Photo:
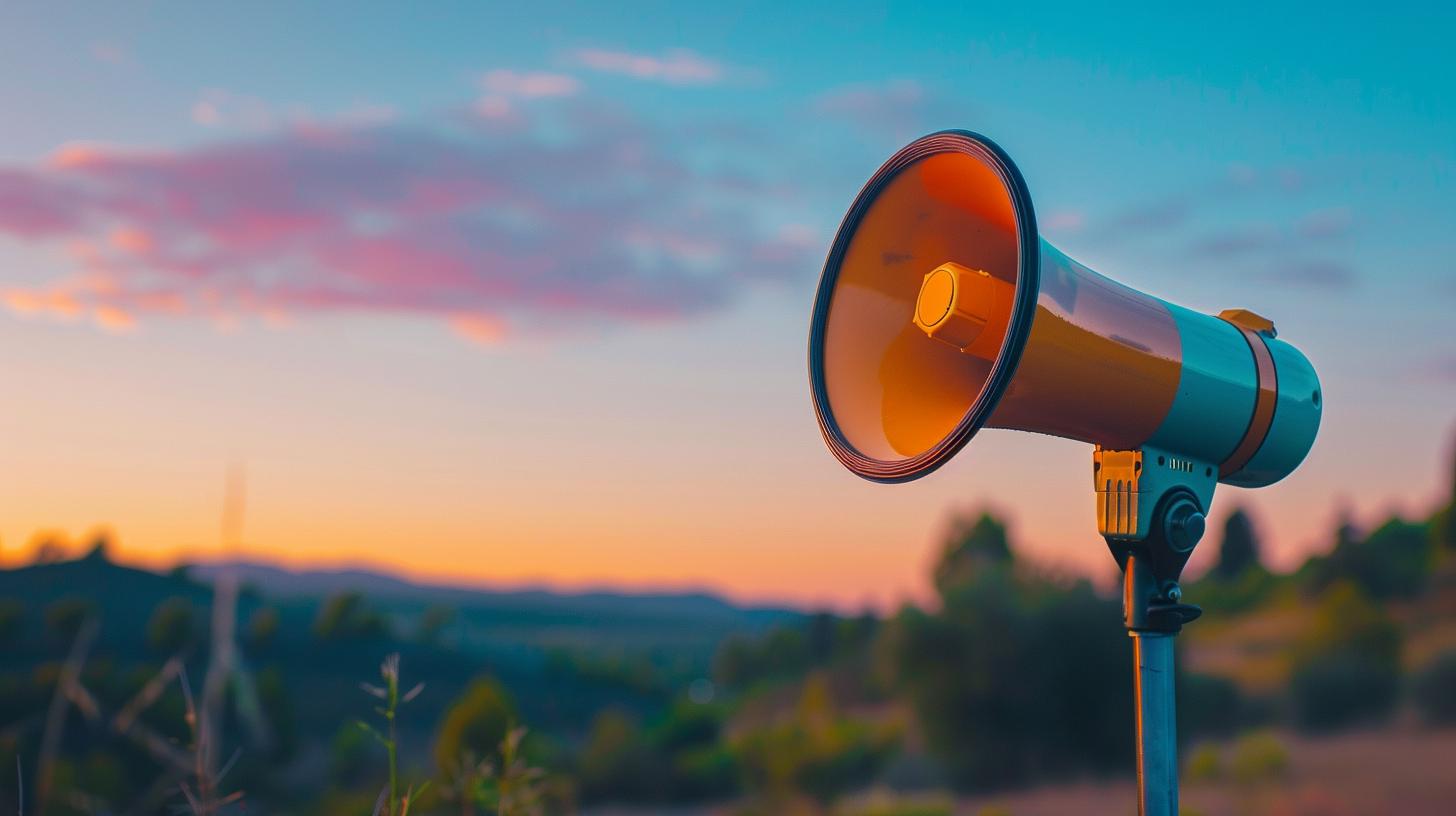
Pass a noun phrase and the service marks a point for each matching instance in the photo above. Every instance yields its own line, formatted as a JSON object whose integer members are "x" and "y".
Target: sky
{"x": 505, "y": 294}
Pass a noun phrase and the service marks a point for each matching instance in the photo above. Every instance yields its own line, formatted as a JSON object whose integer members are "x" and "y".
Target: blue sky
{"x": 532, "y": 257}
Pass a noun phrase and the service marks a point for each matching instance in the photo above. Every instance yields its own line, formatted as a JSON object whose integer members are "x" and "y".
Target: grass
{"x": 391, "y": 803}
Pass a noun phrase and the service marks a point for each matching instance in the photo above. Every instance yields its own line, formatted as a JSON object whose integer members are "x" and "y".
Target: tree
{"x": 971, "y": 548}
{"x": 1393, "y": 561}
{"x": 173, "y": 626}
{"x": 1240, "y": 549}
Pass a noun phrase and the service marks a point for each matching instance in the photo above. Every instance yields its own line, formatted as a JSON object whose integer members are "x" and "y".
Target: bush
{"x": 1435, "y": 690}
{"x": 616, "y": 765}
{"x": 1347, "y": 668}
{"x": 1341, "y": 690}
{"x": 815, "y": 753}
{"x": 1259, "y": 758}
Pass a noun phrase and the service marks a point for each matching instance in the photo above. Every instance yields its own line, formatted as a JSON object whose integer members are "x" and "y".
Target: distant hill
{"x": 496, "y": 622}
{"x": 564, "y": 655}
{"x": 280, "y": 582}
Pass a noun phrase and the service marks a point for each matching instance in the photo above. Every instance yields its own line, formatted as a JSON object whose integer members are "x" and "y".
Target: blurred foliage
{"x": 262, "y": 628}
{"x": 65, "y": 617}
{"x": 1205, "y": 764}
{"x": 813, "y": 752}
{"x": 1208, "y": 705}
{"x": 512, "y": 787}
{"x": 616, "y": 764}
{"x": 971, "y": 547}
{"x": 1434, "y": 688}
{"x": 789, "y": 651}
{"x": 1017, "y": 676}
{"x": 345, "y": 615}
{"x": 1239, "y": 551}
{"x": 433, "y": 622}
{"x": 474, "y": 726}
{"x": 1347, "y": 666}
{"x": 884, "y": 805}
{"x": 1393, "y": 561}
{"x": 12, "y": 621}
{"x": 1259, "y": 758}
{"x": 173, "y": 626}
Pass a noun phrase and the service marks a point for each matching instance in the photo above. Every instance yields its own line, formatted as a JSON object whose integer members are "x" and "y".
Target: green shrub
{"x": 1435, "y": 689}
{"x": 816, "y": 753}
{"x": 1259, "y": 758}
{"x": 1347, "y": 668}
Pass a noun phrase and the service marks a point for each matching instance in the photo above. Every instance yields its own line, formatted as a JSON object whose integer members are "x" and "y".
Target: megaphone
{"x": 941, "y": 311}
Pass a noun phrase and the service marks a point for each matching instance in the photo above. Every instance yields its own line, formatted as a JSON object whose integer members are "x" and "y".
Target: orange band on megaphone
{"x": 1264, "y": 402}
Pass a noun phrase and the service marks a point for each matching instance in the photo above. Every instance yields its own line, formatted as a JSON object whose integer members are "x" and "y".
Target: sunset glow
{"x": 524, "y": 299}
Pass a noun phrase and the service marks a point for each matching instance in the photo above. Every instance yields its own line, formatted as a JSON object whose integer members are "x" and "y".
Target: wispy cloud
{"x": 1293, "y": 251}
{"x": 1312, "y": 272}
{"x": 529, "y": 84}
{"x": 1179, "y": 209}
{"x": 898, "y": 108}
{"x": 502, "y": 91}
{"x": 579, "y": 214}
{"x": 675, "y": 67}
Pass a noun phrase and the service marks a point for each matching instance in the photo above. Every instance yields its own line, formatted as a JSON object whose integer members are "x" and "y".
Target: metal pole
{"x": 1157, "y": 734}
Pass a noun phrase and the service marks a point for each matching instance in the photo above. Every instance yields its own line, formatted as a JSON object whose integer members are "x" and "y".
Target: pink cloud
{"x": 481, "y": 329}
{"x": 592, "y": 215}
{"x": 529, "y": 84}
{"x": 675, "y": 67}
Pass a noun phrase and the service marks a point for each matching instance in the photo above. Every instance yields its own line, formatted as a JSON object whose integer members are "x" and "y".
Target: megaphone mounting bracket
{"x": 1151, "y": 508}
